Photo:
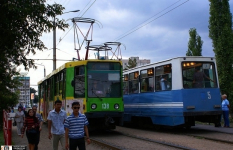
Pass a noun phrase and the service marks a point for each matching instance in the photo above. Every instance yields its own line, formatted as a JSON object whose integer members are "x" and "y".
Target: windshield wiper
{"x": 96, "y": 94}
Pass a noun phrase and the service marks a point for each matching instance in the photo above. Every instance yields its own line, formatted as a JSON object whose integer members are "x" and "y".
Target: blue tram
{"x": 166, "y": 93}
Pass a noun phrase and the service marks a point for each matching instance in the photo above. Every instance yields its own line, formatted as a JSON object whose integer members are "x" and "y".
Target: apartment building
{"x": 24, "y": 99}
{"x": 140, "y": 62}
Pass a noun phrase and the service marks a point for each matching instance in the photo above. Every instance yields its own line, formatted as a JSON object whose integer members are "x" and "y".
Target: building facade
{"x": 140, "y": 62}
{"x": 24, "y": 89}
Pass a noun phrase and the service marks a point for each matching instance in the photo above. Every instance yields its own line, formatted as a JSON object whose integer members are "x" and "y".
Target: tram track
{"x": 196, "y": 133}
{"x": 220, "y": 136}
{"x": 147, "y": 143}
{"x": 166, "y": 138}
{"x": 169, "y": 144}
{"x": 210, "y": 139}
{"x": 207, "y": 135}
{"x": 184, "y": 139}
{"x": 105, "y": 144}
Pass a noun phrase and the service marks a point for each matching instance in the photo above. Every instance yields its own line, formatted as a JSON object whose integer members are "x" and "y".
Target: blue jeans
{"x": 226, "y": 118}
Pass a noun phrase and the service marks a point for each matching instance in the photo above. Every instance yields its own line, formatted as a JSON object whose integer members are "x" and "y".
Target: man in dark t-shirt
{"x": 198, "y": 78}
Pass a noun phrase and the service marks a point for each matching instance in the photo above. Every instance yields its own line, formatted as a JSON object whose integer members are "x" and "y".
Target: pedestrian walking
{"x": 19, "y": 118}
{"x": 31, "y": 124}
{"x": 225, "y": 110}
{"x": 75, "y": 126}
{"x": 56, "y": 119}
{"x": 39, "y": 117}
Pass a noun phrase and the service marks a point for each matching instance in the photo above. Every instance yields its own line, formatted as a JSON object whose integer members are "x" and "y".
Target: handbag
{"x": 14, "y": 123}
{"x": 33, "y": 131}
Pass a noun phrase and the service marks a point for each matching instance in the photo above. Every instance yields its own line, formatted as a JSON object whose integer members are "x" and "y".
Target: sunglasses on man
{"x": 76, "y": 107}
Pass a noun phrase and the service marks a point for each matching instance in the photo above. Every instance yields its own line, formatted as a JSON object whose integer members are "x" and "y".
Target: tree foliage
{"x": 195, "y": 44}
{"x": 21, "y": 26}
{"x": 131, "y": 63}
{"x": 220, "y": 31}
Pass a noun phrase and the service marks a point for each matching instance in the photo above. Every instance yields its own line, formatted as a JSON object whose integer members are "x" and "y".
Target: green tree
{"x": 9, "y": 95}
{"x": 131, "y": 63}
{"x": 220, "y": 31}
{"x": 21, "y": 26}
{"x": 195, "y": 44}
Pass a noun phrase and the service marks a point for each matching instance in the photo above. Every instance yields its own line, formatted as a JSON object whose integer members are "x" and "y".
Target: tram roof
{"x": 74, "y": 63}
{"x": 186, "y": 58}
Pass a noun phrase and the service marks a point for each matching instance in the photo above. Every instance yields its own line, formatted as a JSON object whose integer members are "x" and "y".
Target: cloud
{"x": 162, "y": 38}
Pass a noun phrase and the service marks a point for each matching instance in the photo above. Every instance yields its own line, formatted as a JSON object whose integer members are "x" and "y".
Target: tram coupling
{"x": 109, "y": 122}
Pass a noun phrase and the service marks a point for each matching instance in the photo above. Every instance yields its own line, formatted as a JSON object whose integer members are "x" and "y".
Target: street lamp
{"x": 44, "y": 69}
{"x": 54, "y": 39}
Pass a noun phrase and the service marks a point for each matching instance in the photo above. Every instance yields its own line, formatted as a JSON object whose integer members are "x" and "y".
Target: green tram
{"x": 95, "y": 84}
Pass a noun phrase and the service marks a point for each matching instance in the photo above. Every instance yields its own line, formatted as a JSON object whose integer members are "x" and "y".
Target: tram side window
{"x": 51, "y": 87}
{"x": 59, "y": 83}
{"x": 64, "y": 84}
{"x": 56, "y": 78}
{"x": 79, "y": 89}
{"x": 126, "y": 84}
{"x": 133, "y": 82}
{"x": 147, "y": 83}
{"x": 41, "y": 90}
{"x": 163, "y": 78}
{"x": 48, "y": 89}
{"x": 61, "y": 77}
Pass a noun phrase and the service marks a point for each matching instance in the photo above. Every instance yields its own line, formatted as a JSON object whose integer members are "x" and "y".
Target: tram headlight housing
{"x": 93, "y": 106}
{"x": 116, "y": 106}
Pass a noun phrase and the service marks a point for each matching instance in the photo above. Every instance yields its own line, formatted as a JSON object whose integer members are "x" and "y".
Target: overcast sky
{"x": 162, "y": 29}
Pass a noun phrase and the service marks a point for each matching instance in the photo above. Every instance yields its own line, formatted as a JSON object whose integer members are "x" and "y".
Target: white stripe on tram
{"x": 155, "y": 105}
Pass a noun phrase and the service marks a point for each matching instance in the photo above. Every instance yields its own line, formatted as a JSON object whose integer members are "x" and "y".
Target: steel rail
{"x": 105, "y": 144}
{"x": 157, "y": 141}
{"x": 211, "y": 139}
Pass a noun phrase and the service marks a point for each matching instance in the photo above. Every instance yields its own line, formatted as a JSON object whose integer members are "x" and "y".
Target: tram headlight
{"x": 116, "y": 106}
{"x": 93, "y": 106}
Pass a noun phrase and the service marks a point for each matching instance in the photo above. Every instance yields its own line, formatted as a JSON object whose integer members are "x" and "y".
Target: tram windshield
{"x": 199, "y": 75}
{"x": 104, "y": 79}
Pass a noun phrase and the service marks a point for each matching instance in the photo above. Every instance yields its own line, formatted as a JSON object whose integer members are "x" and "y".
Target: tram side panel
{"x": 163, "y": 108}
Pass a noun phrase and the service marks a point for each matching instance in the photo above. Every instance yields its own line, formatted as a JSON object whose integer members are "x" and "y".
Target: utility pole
{"x": 54, "y": 44}
{"x": 54, "y": 39}
{"x": 44, "y": 69}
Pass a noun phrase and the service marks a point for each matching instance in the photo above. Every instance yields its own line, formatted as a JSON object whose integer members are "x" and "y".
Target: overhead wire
{"x": 151, "y": 17}
{"x": 140, "y": 26}
{"x": 40, "y": 53}
{"x": 67, "y": 2}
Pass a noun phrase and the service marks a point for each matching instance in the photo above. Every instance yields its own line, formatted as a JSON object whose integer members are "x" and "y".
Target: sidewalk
{"x": 45, "y": 143}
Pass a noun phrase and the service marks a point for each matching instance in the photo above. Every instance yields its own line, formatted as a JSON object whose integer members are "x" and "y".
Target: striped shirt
{"x": 76, "y": 125}
{"x": 29, "y": 122}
